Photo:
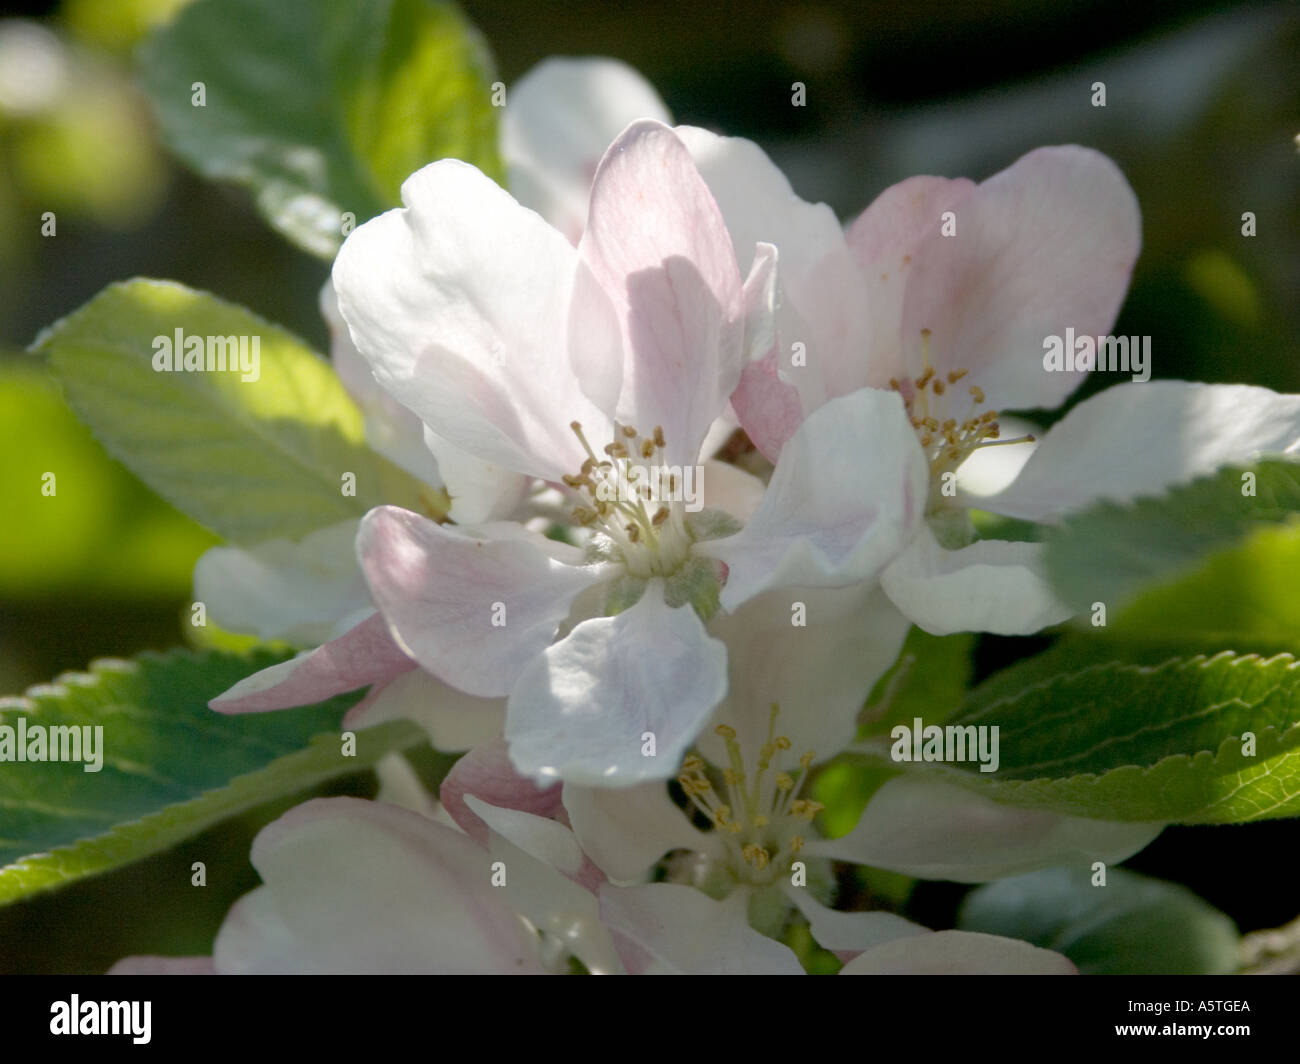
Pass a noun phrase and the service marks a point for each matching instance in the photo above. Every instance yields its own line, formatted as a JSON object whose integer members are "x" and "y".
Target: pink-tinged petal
{"x": 459, "y": 303}
{"x": 296, "y": 591}
{"x": 958, "y": 953}
{"x": 936, "y": 830}
{"x": 154, "y": 965}
{"x": 656, "y": 245}
{"x": 1045, "y": 245}
{"x": 844, "y": 499}
{"x": 769, "y": 409}
{"x": 819, "y": 672}
{"x": 1138, "y": 439}
{"x": 472, "y": 611}
{"x": 845, "y": 932}
{"x": 586, "y": 709}
{"x": 452, "y": 719}
{"x": 664, "y": 928}
{"x": 884, "y": 240}
{"x": 559, "y": 119}
{"x": 626, "y": 830}
{"x": 992, "y": 585}
{"x": 365, "y": 654}
{"x": 391, "y": 428}
{"x": 757, "y": 202}
{"x": 542, "y": 838}
{"x": 348, "y": 890}
{"x": 486, "y": 773}
{"x": 820, "y": 305}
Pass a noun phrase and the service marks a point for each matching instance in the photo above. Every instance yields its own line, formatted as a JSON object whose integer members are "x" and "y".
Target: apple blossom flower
{"x": 598, "y": 368}
{"x": 347, "y": 888}
{"x": 945, "y": 292}
{"x": 748, "y": 780}
{"x": 560, "y": 118}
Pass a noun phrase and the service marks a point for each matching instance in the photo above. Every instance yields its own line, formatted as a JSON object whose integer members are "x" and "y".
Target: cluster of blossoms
{"x": 601, "y": 617}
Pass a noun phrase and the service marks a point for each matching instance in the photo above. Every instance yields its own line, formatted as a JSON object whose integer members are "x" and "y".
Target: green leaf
{"x": 1133, "y": 925}
{"x": 929, "y": 681}
{"x": 1109, "y": 551}
{"x": 170, "y": 766}
{"x": 102, "y": 532}
{"x": 250, "y": 459}
{"x": 322, "y": 109}
{"x": 1141, "y": 743}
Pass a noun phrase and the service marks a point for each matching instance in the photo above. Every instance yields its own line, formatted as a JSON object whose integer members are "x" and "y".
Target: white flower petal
{"x": 541, "y": 838}
{"x": 820, "y": 301}
{"x": 459, "y": 302}
{"x": 1140, "y": 438}
{"x": 581, "y": 711}
{"x": 348, "y": 889}
{"x": 626, "y": 830}
{"x": 1044, "y": 246}
{"x": 844, "y": 499}
{"x": 842, "y": 932}
{"x": 958, "y": 953}
{"x": 679, "y": 930}
{"x": 472, "y": 611}
{"x": 819, "y": 673}
{"x": 991, "y": 586}
{"x": 453, "y": 720}
{"x": 391, "y": 428}
{"x": 656, "y": 247}
{"x": 280, "y": 589}
{"x": 939, "y": 830}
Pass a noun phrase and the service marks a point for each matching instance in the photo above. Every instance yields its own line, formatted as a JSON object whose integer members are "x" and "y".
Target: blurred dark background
{"x": 1202, "y": 114}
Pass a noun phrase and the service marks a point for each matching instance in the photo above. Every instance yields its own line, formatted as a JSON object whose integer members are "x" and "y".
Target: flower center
{"x": 639, "y": 503}
{"x": 947, "y": 441}
{"x": 761, "y": 818}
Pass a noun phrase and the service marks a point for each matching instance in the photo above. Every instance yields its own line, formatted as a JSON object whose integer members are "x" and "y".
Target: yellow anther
{"x": 955, "y": 375}
{"x": 633, "y": 532}
{"x": 977, "y": 393}
{"x": 726, "y": 731}
{"x": 629, "y": 432}
{"x": 659, "y": 436}
{"x": 796, "y": 844}
{"x": 661, "y": 515}
{"x": 938, "y": 386}
{"x": 924, "y": 378}
{"x": 785, "y": 782}
{"x": 647, "y": 448}
{"x": 782, "y": 742}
